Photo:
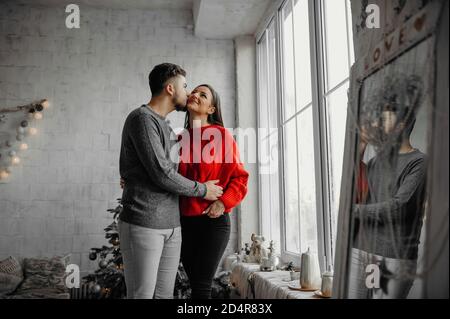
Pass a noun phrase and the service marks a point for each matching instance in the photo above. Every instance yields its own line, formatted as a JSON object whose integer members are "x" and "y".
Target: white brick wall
{"x": 55, "y": 202}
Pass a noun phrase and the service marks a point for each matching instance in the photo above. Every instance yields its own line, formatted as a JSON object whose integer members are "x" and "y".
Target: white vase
{"x": 310, "y": 271}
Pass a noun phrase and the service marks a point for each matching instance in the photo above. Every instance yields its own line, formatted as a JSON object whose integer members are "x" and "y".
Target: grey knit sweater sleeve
{"x": 410, "y": 181}
{"x": 148, "y": 136}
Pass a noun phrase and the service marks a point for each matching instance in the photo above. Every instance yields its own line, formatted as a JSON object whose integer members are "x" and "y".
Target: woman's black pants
{"x": 204, "y": 242}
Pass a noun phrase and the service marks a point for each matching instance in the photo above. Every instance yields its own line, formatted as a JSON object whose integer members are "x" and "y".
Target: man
{"x": 388, "y": 217}
{"x": 149, "y": 225}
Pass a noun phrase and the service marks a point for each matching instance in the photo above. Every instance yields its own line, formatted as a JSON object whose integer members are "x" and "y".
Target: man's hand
{"x": 213, "y": 191}
{"x": 122, "y": 183}
{"x": 215, "y": 210}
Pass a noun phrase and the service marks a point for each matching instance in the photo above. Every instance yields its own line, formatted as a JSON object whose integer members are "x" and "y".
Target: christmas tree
{"x": 108, "y": 282}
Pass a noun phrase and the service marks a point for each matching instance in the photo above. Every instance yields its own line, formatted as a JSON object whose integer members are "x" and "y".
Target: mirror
{"x": 389, "y": 198}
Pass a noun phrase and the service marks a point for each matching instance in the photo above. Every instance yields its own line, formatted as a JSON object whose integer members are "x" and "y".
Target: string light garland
{"x": 10, "y": 148}
{"x": 31, "y": 108}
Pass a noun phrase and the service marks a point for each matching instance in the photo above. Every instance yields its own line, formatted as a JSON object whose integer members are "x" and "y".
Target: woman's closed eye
{"x": 203, "y": 95}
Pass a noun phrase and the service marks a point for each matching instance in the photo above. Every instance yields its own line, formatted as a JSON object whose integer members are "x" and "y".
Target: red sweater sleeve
{"x": 362, "y": 184}
{"x": 236, "y": 189}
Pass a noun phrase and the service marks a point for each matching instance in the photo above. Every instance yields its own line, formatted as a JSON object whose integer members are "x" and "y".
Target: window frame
{"x": 323, "y": 94}
{"x": 319, "y": 113}
{"x": 265, "y": 33}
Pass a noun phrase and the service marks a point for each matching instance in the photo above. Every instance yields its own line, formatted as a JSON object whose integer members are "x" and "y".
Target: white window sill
{"x": 251, "y": 283}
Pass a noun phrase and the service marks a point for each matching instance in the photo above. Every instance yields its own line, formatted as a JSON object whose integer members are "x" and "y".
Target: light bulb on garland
{"x": 15, "y": 160}
{"x": 34, "y": 112}
{"x": 45, "y": 104}
{"x": 4, "y": 174}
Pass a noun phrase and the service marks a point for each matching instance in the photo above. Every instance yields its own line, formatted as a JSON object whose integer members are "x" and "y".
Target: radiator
{"x": 81, "y": 293}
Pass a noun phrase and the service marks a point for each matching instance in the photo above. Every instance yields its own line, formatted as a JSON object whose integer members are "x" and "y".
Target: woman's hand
{"x": 362, "y": 149}
{"x": 215, "y": 210}
{"x": 364, "y": 140}
{"x": 122, "y": 183}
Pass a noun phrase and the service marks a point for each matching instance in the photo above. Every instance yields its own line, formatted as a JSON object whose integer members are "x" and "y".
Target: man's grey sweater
{"x": 152, "y": 183}
{"x": 389, "y": 224}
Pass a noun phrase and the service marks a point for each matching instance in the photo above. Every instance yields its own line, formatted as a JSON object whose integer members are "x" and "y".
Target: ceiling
{"x": 213, "y": 19}
{"x": 228, "y": 19}
{"x": 118, "y": 4}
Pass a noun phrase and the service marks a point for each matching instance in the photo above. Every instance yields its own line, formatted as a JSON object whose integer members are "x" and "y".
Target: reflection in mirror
{"x": 390, "y": 193}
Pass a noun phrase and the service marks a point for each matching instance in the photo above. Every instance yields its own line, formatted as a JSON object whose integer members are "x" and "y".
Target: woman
{"x": 208, "y": 152}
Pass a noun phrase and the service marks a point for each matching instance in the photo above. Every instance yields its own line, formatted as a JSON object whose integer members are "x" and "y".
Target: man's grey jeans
{"x": 150, "y": 259}
{"x": 402, "y": 274}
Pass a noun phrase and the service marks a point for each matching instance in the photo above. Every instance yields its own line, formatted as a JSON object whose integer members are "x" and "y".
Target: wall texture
{"x": 55, "y": 202}
{"x": 246, "y": 118}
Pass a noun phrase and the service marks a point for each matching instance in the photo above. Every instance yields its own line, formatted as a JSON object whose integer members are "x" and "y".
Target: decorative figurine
{"x": 257, "y": 251}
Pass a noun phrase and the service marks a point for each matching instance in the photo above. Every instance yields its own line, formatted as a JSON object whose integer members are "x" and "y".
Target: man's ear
{"x": 400, "y": 127}
{"x": 170, "y": 89}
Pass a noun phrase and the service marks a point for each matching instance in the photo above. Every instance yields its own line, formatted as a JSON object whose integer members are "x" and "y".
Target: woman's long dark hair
{"x": 216, "y": 117}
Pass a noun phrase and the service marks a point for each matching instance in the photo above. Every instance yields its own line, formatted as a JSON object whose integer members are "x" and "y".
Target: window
{"x": 297, "y": 130}
{"x": 304, "y": 59}
{"x": 338, "y": 56}
{"x": 267, "y": 136}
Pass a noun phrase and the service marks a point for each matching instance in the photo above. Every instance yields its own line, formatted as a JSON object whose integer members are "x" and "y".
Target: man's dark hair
{"x": 409, "y": 122}
{"x": 403, "y": 96}
{"x": 158, "y": 77}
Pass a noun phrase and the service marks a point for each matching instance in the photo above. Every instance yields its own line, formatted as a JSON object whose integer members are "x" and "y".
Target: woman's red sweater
{"x": 216, "y": 159}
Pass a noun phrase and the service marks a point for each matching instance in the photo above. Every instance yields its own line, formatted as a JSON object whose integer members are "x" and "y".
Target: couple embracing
{"x": 178, "y": 191}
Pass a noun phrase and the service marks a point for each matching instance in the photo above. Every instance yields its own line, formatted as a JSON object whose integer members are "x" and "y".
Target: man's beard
{"x": 178, "y": 106}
